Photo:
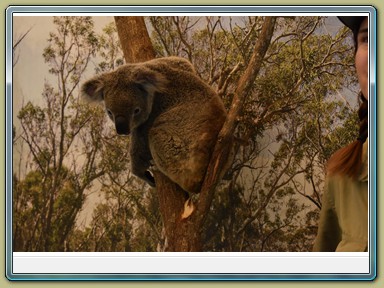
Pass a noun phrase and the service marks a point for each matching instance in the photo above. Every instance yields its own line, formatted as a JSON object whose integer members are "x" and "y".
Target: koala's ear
{"x": 92, "y": 90}
{"x": 151, "y": 81}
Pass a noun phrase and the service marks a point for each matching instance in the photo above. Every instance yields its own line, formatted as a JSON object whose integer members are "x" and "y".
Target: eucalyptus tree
{"x": 293, "y": 119}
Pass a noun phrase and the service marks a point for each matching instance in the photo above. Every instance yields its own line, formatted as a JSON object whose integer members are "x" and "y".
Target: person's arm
{"x": 329, "y": 233}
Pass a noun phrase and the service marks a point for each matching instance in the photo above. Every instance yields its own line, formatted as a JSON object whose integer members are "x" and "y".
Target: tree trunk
{"x": 181, "y": 234}
{"x": 184, "y": 235}
{"x": 134, "y": 39}
{"x": 137, "y": 47}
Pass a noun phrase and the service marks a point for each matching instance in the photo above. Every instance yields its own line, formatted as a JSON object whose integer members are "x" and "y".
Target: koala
{"x": 172, "y": 116}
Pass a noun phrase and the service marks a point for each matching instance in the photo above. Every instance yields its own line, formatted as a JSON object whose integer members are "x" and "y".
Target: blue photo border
{"x": 195, "y": 9}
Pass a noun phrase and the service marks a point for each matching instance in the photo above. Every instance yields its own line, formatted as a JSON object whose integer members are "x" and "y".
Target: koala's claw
{"x": 189, "y": 207}
{"x": 149, "y": 178}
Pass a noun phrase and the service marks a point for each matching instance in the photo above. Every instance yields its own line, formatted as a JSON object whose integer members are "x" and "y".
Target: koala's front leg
{"x": 141, "y": 157}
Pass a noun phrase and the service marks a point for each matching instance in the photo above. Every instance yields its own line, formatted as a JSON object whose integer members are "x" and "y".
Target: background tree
{"x": 15, "y": 46}
{"x": 57, "y": 134}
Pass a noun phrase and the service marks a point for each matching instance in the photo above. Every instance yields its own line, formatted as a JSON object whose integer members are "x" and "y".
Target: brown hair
{"x": 347, "y": 160}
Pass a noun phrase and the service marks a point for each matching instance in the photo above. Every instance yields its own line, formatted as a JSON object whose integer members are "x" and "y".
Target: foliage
{"x": 278, "y": 149}
{"x": 57, "y": 135}
{"x": 109, "y": 50}
{"x": 293, "y": 120}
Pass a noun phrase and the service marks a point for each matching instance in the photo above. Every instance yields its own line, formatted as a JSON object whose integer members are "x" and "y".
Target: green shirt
{"x": 343, "y": 225}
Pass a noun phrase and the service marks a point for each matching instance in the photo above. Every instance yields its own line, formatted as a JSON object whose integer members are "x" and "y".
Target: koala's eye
{"x": 110, "y": 115}
{"x": 137, "y": 111}
{"x": 141, "y": 88}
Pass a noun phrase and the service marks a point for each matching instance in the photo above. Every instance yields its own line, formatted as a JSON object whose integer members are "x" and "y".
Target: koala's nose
{"x": 122, "y": 125}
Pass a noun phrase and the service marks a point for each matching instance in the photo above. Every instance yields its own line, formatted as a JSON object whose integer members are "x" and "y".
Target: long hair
{"x": 348, "y": 160}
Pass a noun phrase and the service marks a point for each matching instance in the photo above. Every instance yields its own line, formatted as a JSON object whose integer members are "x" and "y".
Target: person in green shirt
{"x": 343, "y": 224}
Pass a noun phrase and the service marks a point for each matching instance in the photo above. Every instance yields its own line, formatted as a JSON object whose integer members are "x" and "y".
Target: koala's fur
{"x": 172, "y": 116}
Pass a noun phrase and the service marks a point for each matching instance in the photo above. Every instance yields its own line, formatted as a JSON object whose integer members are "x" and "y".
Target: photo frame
{"x": 195, "y": 266}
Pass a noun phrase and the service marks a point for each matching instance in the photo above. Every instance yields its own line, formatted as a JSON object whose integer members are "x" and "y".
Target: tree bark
{"x": 181, "y": 234}
{"x": 134, "y": 39}
{"x": 184, "y": 235}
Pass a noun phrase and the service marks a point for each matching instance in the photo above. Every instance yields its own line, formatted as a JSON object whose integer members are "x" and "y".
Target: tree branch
{"x": 223, "y": 146}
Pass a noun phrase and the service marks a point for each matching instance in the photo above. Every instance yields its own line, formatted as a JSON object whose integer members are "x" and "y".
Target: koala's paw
{"x": 149, "y": 178}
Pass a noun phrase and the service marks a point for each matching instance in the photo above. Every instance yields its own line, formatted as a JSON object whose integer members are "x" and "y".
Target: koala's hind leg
{"x": 169, "y": 153}
{"x": 181, "y": 142}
